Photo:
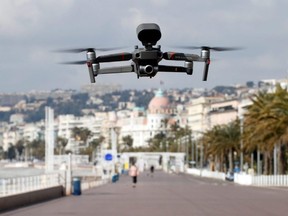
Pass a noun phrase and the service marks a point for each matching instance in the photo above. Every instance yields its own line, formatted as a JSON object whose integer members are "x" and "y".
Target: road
{"x": 166, "y": 195}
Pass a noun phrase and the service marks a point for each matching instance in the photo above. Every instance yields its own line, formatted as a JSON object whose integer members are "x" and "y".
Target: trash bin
{"x": 124, "y": 172}
{"x": 76, "y": 182}
{"x": 115, "y": 178}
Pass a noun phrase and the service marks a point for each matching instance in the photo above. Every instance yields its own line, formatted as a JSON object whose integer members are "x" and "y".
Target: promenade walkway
{"x": 165, "y": 195}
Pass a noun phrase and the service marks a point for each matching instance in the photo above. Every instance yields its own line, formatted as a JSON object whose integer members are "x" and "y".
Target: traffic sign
{"x": 108, "y": 157}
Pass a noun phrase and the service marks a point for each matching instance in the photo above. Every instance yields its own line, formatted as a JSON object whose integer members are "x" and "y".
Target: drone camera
{"x": 148, "y": 33}
{"x": 148, "y": 70}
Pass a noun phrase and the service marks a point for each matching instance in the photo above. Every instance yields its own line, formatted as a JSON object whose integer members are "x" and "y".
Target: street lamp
{"x": 241, "y": 144}
{"x": 201, "y": 153}
{"x": 185, "y": 140}
{"x": 197, "y": 139}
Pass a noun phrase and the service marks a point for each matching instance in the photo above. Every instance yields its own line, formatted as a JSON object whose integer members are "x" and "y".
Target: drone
{"x": 145, "y": 60}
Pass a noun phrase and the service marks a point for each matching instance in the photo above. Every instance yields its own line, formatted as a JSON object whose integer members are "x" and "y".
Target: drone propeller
{"x": 219, "y": 49}
{"x": 79, "y": 50}
{"x": 74, "y": 62}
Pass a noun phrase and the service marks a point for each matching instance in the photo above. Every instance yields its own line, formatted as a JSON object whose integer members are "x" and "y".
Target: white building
{"x": 223, "y": 112}
{"x": 65, "y": 124}
{"x": 10, "y": 137}
{"x": 197, "y": 113}
{"x": 143, "y": 125}
{"x": 12, "y": 133}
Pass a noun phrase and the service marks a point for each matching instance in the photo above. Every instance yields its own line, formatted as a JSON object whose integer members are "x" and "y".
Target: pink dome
{"x": 159, "y": 102}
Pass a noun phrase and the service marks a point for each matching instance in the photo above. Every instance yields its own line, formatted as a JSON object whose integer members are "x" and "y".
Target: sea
{"x": 12, "y": 170}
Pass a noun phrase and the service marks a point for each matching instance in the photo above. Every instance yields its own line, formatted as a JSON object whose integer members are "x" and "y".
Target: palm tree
{"x": 93, "y": 145}
{"x": 215, "y": 148}
{"x": 96, "y": 144}
{"x": 81, "y": 134}
{"x": 61, "y": 144}
{"x": 1, "y": 153}
{"x": 280, "y": 111}
{"x": 128, "y": 142}
{"x": 20, "y": 146}
{"x": 265, "y": 126}
{"x": 156, "y": 143}
{"x": 221, "y": 142}
{"x": 38, "y": 148}
{"x": 257, "y": 131}
{"x": 85, "y": 135}
{"x": 11, "y": 152}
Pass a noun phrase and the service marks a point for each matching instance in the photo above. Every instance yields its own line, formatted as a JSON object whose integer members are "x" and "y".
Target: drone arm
{"x": 206, "y": 68}
{"x": 115, "y": 70}
{"x": 114, "y": 57}
{"x": 91, "y": 73}
{"x": 165, "y": 68}
{"x": 181, "y": 57}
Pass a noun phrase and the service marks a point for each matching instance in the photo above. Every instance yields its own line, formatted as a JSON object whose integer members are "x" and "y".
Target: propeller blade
{"x": 219, "y": 49}
{"x": 74, "y": 62}
{"x": 79, "y": 50}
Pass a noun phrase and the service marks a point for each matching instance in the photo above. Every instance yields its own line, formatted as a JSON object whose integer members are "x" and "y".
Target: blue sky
{"x": 31, "y": 29}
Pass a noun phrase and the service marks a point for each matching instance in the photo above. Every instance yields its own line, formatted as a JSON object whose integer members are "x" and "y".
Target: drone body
{"x": 145, "y": 60}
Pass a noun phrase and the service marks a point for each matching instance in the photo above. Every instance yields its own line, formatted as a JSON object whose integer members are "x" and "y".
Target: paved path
{"x": 166, "y": 195}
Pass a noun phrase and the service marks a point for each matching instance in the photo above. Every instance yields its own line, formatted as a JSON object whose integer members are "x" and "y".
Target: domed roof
{"x": 159, "y": 102}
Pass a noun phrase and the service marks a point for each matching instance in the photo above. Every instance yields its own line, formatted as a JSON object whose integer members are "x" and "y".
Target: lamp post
{"x": 258, "y": 162}
{"x": 192, "y": 148}
{"x": 185, "y": 140}
{"x": 201, "y": 154}
{"x": 196, "y": 155}
{"x": 196, "y": 139}
{"x": 187, "y": 149}
{"x": 241, "y": 144}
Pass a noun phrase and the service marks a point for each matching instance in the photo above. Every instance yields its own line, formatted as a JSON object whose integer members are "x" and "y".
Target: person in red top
{"x": 134, "y": 172}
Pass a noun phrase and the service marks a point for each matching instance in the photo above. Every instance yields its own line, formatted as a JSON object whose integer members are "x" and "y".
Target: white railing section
{"x": 193, "y": 171}
{"x": 11, "y": 186}
{"x": 275, "y": 180}
{"x": 210, "y": 174}
{"x": 18, "y": 185}
{"x": 245, "y": 179}
{"x": 91, "y": 184}
{"x": 206, "y": 173}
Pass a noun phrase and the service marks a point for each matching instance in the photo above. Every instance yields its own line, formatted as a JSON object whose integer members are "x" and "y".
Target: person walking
{"x": 134, "y": 172}
{"x": 152, "y": 170}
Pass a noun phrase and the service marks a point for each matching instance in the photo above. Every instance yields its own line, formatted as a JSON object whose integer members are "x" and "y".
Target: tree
{"x": 221, "y": 142}
{"x": 11, "y": 152}
{"x": 155, "y": 144}
{"x": 20, "y": 146}
{"x": 265, "y": 126}
{"x": 96, "y": 144}
{"x": 38, "y": 149}
{"x": 61, "y": 144}
{"x": 81, "y": 134}
{"x": 91, "y": 149}
{"x": 128, "y": 142}
{"x": 2, "y": 153}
